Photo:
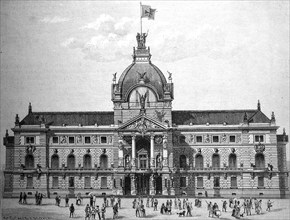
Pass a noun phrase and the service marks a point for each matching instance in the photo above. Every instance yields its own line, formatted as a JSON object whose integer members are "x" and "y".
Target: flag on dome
{"x": 147, "y": 12}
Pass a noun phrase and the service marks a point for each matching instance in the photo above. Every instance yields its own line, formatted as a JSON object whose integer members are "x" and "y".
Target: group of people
{"x": 22, "y": 198}
{"x": 38, "y": 198}
{"x": 138, "y": 205}
{"x": 92, "y": 210}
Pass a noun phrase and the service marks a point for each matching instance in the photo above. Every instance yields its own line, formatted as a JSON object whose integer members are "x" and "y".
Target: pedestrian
{"x": 162, "y": 208}
{"x": 175, "y": 203}
{"x": 40, "y": 198}
{"x": 24, "y": 198}
{"x": 249, "y": 207}
{"x": 137, "y": 212}
{"x": 115, "y": 211}
{"x": 20, "y": 198}
{"x": 87, "y": 212}
{"x": 103, "y": 212}
{"x": 71, "y": 210}
{"x": 147, "y": 202}
{"x": 155, "y": 204}
{"x": 36, "y": 198}
{"x": 98, "y": 212}
{"x": 179, "y": 204}
{"x": 224, "y": 208}
{"x": 66, "y": 201}
{"x": 119, "y": 202}
{"x": 269, "y": 205}
{"x": 93, "y": 211}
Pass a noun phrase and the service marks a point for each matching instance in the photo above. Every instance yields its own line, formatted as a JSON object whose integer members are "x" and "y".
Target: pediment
{"x": 142, "y": 124}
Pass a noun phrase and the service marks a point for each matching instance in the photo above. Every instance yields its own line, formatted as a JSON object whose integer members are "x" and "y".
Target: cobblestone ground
{"x": 12, "y": 210}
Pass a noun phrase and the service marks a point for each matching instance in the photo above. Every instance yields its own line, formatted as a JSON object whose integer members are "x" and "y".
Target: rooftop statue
{"x": 141, "y": 40}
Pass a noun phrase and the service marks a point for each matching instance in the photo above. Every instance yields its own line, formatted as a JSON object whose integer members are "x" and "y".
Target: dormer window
{"x": 30, "y": 140}
{"x": 259, "y": 138}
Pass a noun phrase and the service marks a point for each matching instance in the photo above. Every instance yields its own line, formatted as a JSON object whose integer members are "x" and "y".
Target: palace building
{"x": 144, "y": 147}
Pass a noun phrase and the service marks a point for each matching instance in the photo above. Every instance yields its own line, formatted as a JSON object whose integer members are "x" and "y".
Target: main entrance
{"x": 142, "y": 184}
{"x": 127, "y": 186}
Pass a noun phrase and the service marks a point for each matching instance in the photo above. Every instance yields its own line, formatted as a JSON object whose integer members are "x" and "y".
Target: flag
{"x": 147, "y": 12}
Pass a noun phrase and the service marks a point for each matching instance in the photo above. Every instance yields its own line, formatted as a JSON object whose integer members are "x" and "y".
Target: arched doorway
{"x": 260, "y": 161}
{"x": 158, "y": 186}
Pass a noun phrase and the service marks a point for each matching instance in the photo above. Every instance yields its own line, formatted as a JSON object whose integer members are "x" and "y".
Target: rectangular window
{"x": 55, "y": 182}
{"x": 259, "y": 138}
{"x": 216, "y": 182}
{"x": 215, "y": 139}
{"x": 30, "y": 140}
{"x": 183, "y": 181}
{"x": 71, "y": 140}
{"x": 103, "y": 182}
{"x": 103, "y": 140}
{"x": 87, "y": 140}
{"x": 199, "y": 139}
{"x": 260, "y": 182}
{"x": 234, "y": 183}
{"x": 199, "y": 182}
{"x": 87, "y": 182}
{"x": 22, "y": 177}
{"x": 232, "y": 138}
{"x": 29, "y": 182}
{"x": 55, "y": 140}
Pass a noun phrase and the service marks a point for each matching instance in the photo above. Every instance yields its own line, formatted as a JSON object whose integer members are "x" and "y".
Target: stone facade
{"x": 143, "y": 147}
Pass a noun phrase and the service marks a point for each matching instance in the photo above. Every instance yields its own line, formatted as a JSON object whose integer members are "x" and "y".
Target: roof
{"x": 231, "y": 117}
{"x": 69, "y": 118}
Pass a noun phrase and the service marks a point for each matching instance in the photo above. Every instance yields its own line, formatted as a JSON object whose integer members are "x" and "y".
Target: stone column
{"x": 134, "y": 151}
{"x": 151, "y": 185}
{"x": 172, "y": 190}
{"x": 165, "y": 153}
{"x": 133, "y": 185}
{"x": 152, "y": 160}
{"x": 121, "y": 152}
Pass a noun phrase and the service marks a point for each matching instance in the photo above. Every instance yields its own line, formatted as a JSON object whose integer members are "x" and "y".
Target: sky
{"x": 60, "y": 56}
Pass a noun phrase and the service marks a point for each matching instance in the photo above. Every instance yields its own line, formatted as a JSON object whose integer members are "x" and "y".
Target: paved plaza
{"x": 12, "y": 210}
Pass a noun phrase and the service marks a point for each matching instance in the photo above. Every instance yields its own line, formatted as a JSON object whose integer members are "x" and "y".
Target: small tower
{"x": 16, "y": 120}
{"x": 245, "y": 118}
{"x": 29, "y": 108}
{"x": 273, "y": 120}
{"x": 259, "y": 106}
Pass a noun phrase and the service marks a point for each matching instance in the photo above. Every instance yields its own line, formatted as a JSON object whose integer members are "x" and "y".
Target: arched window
{"x": 182, "y": 161}
{"x": 103, "y": 161}
{"x": 260, "y": 161}
{"x": 87, "y": 161}
{"x": 232, "y": 161}
{"x": 71, "y": 161}
{"x": 216, "y": 161}
{"x": 29, "y": 161}
{"x": 199, "y": 161}
{"x": 55, "y": 161}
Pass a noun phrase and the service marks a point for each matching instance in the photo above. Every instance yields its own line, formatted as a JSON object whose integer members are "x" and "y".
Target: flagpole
{"x": 141, "y": 17}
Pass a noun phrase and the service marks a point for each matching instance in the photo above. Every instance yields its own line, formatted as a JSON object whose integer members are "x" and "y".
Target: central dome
{"x": 153, "y": 78}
